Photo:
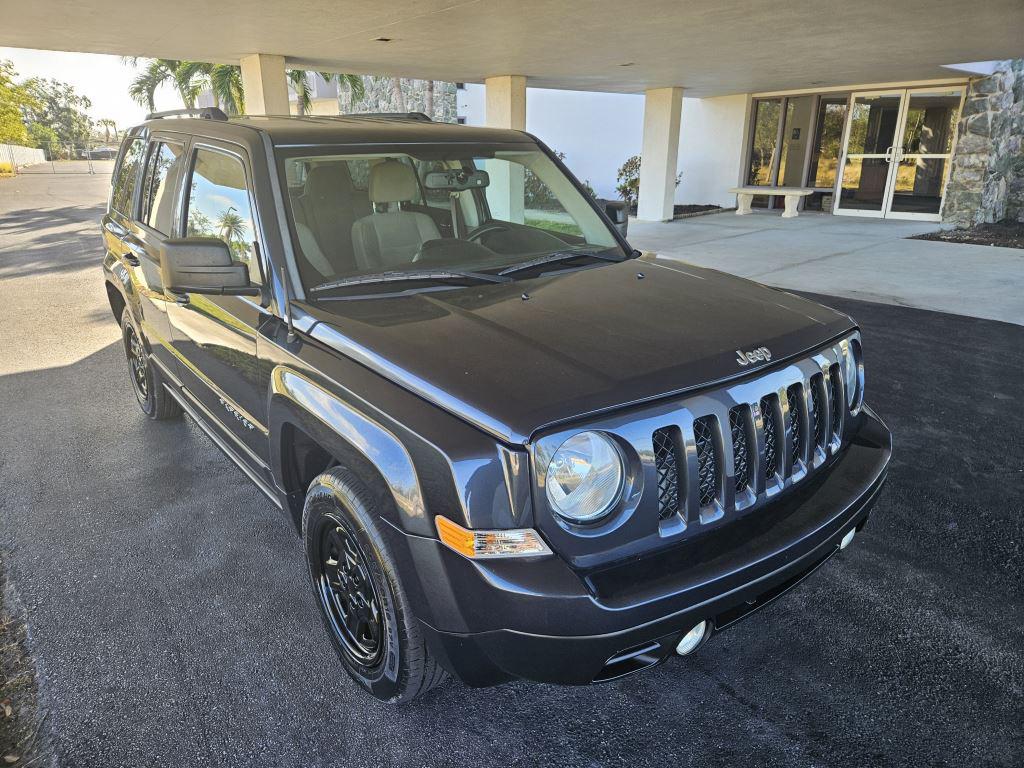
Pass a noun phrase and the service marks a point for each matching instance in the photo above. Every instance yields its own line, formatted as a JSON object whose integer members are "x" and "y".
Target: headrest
{"x": 392, "y": 182}
{"x": 331, "y": 181}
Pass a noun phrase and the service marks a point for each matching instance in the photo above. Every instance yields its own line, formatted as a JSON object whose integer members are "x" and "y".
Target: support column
{"x": 264, "y": 84}
{"x": 506, "y": 108}
{"x": 660, "y": 156}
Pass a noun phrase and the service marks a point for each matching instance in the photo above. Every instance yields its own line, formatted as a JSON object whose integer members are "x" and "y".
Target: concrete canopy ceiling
{"x": 709, "y": 47}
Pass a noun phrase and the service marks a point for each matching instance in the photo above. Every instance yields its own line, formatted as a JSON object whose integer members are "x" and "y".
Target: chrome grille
{"x": 666, "y": 464}
{"x": 771, "y": 442}
{"x": 738, "y": 427}
{"x": 707, "y": 464}
{"x": 782, "y": 425}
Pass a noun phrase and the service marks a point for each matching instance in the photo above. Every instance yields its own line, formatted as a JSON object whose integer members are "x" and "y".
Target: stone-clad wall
{"x": 987, "y": 179}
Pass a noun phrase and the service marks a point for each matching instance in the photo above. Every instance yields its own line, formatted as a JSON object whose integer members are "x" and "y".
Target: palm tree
{"x": 226, "y": 85}
{"x": 163, "y": 72}
{"x": 351, "y": 89}
{"x": 298, "y": 79}
{"x": 231, "y": 226}
{"x": 397, "y": 95}
{"x": 300, "y": 83}
{"x": 191, "y": 78}
{"x": 107, "y": 124}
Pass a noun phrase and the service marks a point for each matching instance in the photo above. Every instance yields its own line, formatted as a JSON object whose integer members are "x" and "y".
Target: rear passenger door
{"x": 155, "y": 222}
{"x": 215, "y": 336}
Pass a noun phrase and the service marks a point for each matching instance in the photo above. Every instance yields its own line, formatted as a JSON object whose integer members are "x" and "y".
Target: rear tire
{"x": 361, "y": 600}
{"x": 147, "y": 381}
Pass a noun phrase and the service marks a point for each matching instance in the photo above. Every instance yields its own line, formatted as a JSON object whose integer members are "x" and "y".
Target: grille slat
{"x": 836, "y": 396}
{"x": 794, "y": 425}
{"x": 666, "y": 462}
{"x": 741, "y": 463}
{"x": 771, "y": 453}
{"x": 817, "y": 412}
{"x": 707, "y": 462}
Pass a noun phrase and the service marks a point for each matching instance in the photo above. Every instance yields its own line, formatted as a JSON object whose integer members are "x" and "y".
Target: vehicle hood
{"x": 514, "y": 358}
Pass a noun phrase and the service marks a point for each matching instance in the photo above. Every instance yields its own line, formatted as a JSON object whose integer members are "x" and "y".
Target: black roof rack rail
{"x": 419, "y": 117}
{"x": 207, "y": 113}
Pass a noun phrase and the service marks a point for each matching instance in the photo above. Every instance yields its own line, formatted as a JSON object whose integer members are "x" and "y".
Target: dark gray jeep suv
{"x": 514, "y": 446}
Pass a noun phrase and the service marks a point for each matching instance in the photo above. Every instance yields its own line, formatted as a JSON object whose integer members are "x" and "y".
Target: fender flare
{"x": 340, "y": 429}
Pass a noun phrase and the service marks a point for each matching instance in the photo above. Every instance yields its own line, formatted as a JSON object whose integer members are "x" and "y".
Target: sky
{"x": 103, "y": 79}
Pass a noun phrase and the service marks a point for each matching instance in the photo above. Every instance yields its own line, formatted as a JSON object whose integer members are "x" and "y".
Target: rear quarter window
{"x": 123, "y": 196}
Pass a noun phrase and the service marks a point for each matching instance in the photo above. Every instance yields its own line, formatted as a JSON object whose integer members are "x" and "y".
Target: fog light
{"x": 692, "y": 639}
{"x": 848, "y": 538}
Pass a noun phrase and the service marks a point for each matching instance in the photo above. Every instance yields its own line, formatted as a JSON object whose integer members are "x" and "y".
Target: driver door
{"x": 215, "y": 336}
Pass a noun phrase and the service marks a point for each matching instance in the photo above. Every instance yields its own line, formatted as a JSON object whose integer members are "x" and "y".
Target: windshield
{"x": 436, "y": 210}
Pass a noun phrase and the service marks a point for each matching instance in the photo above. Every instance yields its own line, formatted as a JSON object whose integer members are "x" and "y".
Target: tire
{"x": 390, "y": 661}
{"x": 147, "y": 382}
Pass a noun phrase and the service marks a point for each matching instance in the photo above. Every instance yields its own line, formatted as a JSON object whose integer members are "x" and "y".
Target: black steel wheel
{"x": 147, "y": 382}
{"x": 138, "y": 366}
{"x": 362, "y": 602}
{"x": 347, "y": 595}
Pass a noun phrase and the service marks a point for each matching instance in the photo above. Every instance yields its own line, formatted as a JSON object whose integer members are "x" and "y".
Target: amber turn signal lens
{"x": 514, "y": 542}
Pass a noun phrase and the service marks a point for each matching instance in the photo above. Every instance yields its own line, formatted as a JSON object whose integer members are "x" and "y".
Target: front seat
{"x": 330, "y": 206}
{"x": 391, "y": 237}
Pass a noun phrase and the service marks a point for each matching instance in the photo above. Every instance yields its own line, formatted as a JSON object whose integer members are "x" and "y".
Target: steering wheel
{"x": 485, "y": 229}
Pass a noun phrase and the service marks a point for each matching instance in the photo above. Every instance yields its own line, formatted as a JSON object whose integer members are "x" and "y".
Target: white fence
{"x": 93, "y": 157}
{"x": 19, "y": 156}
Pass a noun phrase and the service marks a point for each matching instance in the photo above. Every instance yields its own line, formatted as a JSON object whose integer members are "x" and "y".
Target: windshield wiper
{"x": 434, "y": 275}
{"x": 551, "y": 258}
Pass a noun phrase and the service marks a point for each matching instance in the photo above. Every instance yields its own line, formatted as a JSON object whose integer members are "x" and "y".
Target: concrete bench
{"x": 744, "y": 196}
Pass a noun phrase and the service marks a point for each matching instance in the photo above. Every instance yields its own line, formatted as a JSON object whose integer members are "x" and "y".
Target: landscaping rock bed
{"x": 1007, "y": 234}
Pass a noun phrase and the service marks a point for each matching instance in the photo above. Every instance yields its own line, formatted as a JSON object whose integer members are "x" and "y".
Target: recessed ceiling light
{"x": 382, "y": 39}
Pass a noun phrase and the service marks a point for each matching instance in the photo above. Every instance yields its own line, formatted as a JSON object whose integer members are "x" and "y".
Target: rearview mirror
{"x": 456, "y": 180}
{"x": 203, "y": 265}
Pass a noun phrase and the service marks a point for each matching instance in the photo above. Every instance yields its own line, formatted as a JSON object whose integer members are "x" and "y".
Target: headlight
{"x": 852, "y": 374}
{"x": 584, "y": 478}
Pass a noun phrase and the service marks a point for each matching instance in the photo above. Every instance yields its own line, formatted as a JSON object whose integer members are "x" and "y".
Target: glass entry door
{"x": 897, "y": 153}
{"x": 871, "y": 127}
{"x": 922, "y": 157}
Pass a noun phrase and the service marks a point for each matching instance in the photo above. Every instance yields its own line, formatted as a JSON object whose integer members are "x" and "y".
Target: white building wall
{"x": 599, "y": 131}
{"x": 711, "y": 149}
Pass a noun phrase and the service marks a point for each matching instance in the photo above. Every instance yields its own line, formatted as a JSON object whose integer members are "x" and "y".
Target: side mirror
{"x": 203, "y": 265}
{"x": 618, "y": 212}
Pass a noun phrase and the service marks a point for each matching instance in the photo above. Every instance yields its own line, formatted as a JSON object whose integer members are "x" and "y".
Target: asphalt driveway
{"x": 172, "y": 623}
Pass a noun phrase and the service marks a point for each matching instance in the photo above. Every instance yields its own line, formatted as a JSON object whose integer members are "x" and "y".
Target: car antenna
{"x": 289, "y": 321}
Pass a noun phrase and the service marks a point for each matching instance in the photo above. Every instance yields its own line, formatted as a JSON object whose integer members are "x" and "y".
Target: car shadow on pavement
{"x": 172, "y": 622}
{"x": 46, "y": 241}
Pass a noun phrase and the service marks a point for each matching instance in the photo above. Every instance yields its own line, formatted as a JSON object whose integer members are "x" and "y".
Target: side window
{"x": 158, "y": 186}
{"x": 218, "y": 206}
{"x": 127, "y": 173}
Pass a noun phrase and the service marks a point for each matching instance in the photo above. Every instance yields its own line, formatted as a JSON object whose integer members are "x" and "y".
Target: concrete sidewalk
{"x": 843, "y": 256}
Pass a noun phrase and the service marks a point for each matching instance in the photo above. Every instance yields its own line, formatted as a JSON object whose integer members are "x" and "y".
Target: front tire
{"x": 147, "y": 383}
{"x": 361, "y": 600}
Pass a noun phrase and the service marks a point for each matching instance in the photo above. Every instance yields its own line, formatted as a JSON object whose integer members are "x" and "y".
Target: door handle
{"x": 135, "y": 249}
{"x": 889, "y": 153}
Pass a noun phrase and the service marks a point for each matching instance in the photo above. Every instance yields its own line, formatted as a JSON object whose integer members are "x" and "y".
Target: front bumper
{"x": 487, "y": 622}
